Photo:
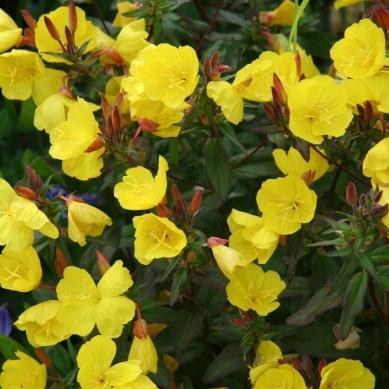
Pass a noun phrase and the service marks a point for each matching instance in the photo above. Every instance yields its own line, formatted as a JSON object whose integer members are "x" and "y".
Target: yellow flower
{"x": 346, "y": 374}
{"x": 168, "y": 74}
{"x": 23, "y": 74}
{"x": 227, "y": 259}
{"x": 228, "y": 98}
{"x": 9, "y": 32}
{"x": 84, "y": 305}
{"x": 123, "y": 7}
{"x": 139, "y": 190}
{"x": 97, "y": 372}
{"x": 283, "y": 15}
{"x": 156, "y": 237}
{"x": 24, "y": 372}
{"x": 41, "y": 324}
{"x": 284, "y": 376}
{"x": 19, "y": 218}
{"x": 345, "y": 3}
{"x": 252, "y": 288}
{"x": 20, "y": 270}
{"x": 251, "y": 236}
{"x": 85, "y": 33}
{"x": 85, "y": 220}
{"x": 72, "y": 137}
{"x": 112, "y": 90}
{"x": 286, "y": 203}
{"x": 85, "y": 166}
{"x": 131, "y": 40}
{"x": 383, "y": 201}
{"x": 361, "y": 53}
{"x": 292, "y": 163}
{"x": 318, "y": 107}
{"x": 143, "y": 349}
{"x": 376, "y": 163}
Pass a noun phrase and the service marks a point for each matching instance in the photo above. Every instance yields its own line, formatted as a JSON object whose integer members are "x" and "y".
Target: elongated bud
{"x": 351, "y": 194}
{"x": 215, "y": 241}
{"x": 35, "y": 182}
{"x": 297, "y": 59}
{"x": 207, "y": 67}
{"x": 215, "y": 58}
{"x": 28, "y": 18}
{"x": 269, "y": 111}
{"x": 308, "y": 177}
{"x": 105, "y": 107}
{"x": 72, "y": 18}
{"x": 66, "y": 91}
{"x": 380, "y": 210}
{"x": 297, "y": 364}
{"x": 148, "y": 125}
{"x": 380, "y": 15}
{"x": 51, "y": 29}
{"x": 368, "y": 111}
{"x": 43, "y": 357}
{"x": 102, "y": 262}
{"x": 162, "y": 210}
{"x": 279, "y": 88}
{"x": 140, "y": 328}
{"x": 378, "y": 196}
{"x": 195, "y": 203}
{"x": 69, "y": 41}
{"x": 97, "y": 144}
{"x": 321, "y": 365}
{"x": 116, "y": 121}
{"x": 60, "y": 262}
{"x": 308, "y": 366}
{"x": 25, "y": 192}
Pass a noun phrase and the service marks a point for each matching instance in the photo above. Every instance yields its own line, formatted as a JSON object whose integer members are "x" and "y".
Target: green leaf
{"x": 179, "y": 280}
{"x": 228, "y": 361}
{"x": 353, "y": 301}
{"x": 218, "y": 167}
{"x": 8, "y": 347}
{"x": 383, "y": 274}
{"x": 26, "y": 117}
{"x": 230, "y": 134}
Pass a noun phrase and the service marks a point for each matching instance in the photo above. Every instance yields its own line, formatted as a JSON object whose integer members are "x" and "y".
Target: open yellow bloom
{"x": 376, "y": 163}
{"x": 123, "y": 7}
{"x": 139, "y": 190}
{"x": 251, "y": 236}
{"x": 23, "y": 74}
{"x": 24, "y": 372}
{"x": 143, "y": 349}
{"x": 131, "y": 40}
{"x": 383, "y": 201}
{"x": 345, "y": 3}
{"x": 292, "y": 163}
{"x": 85, "y": 166}
{"x": 85, "y": 220}
{"x": 318, "y": 107}
{"x": 72, "y": 137}
{"x": 227, "y": 259}
{"x": 283, "y": 376}
{"x": 41, "y": 324}
{"x": 85, "y": 33}
{"x": 156, "y": 237}
{"x": 97, "y": 372}
{"x": 84, "y": 305}
{"x": 346, "y": 374}
{"x": 252, "y": 288}
{"x": 361, "y": 53}
{"x": 283, "y": 15}
{"x": 168, "y": 74}
{"x": 20, "y": 270}
{"x": 9, "y": 32}
{"x": 286, "y": 203}
{"x": 19, "y": 217}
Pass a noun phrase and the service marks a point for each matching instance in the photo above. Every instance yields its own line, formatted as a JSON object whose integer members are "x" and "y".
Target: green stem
{"x": 294, "y": 30}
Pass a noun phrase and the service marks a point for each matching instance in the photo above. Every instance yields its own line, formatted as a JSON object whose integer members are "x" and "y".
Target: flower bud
{"x": 43, "y": 357}
{"x": 351, "y": 194}
{"x": 72, "y": 18}
{"x": 195, "y": 203}
{"x": 25, "y": 192}
{"x": 102, "y": 262}
{"x": 380, "y": 15}
{"x": 60, "y": 262}
{"x": 28, "y": 18}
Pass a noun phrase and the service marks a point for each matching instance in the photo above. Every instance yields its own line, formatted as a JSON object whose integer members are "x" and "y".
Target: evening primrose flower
{"x": 286, "y": 203}
{"x": 85, "y": 33}
{"x": 85, "y": 220}
{"x": 156, "y": 237}
{"x": 139, "y": 190}
{"x": 252, "y": 288}
{"x": 20, "y": 270}
{"x": 283, "y": 376}
{"x": 9, "y": 32}
{"x": 346, "y": 374}
{"x": 41, "y": 324}
{"x": 123, "y": 7}
{"x": 376, "y": 163}
{"x": 84, "y": 305}
{"x": 293, "y": 163}
{"x": 24, "y": 372}
{"x": 168, "y": 74}
{"x": 96, "y": 371}
{"x": 251, "y": 236}
{"x": 227, "y": 258}
{"x": 19, "y": 218}
{"x": 346, "y": 3}
{"x": 23, "y": 75}
{"x": 283, "y": 15}
{"x": 74, "y": 136}
{"x": 318, "y": 107}
{"x": 361, "y": 53}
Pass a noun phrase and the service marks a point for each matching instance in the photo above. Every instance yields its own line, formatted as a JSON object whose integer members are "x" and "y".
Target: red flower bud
{"x": 72, "y": 18}
{"x": 215, "y": 241}
{"x": 43, "y": 357}
{"x": 380, "y": 15}
{"x": 25, "y": 192}
{"x": 102, "y": 262}
{"x": 195, "y": 203}
{"x": 28, "y": 18}
{"x": 351, "y": 194}
{"x": 60, "y": 262}
{"x": 140, "y": 329}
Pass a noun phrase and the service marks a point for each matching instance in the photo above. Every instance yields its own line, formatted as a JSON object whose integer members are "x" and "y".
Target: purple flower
{"x": 56, "y": 190}
{"x": 5, "y": 321}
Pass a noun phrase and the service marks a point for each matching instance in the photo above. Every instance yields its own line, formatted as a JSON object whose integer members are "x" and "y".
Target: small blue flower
{"x": 5, "y": 321}
{"x": 56, "y": 190}
{"x": 90, "y": 198}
